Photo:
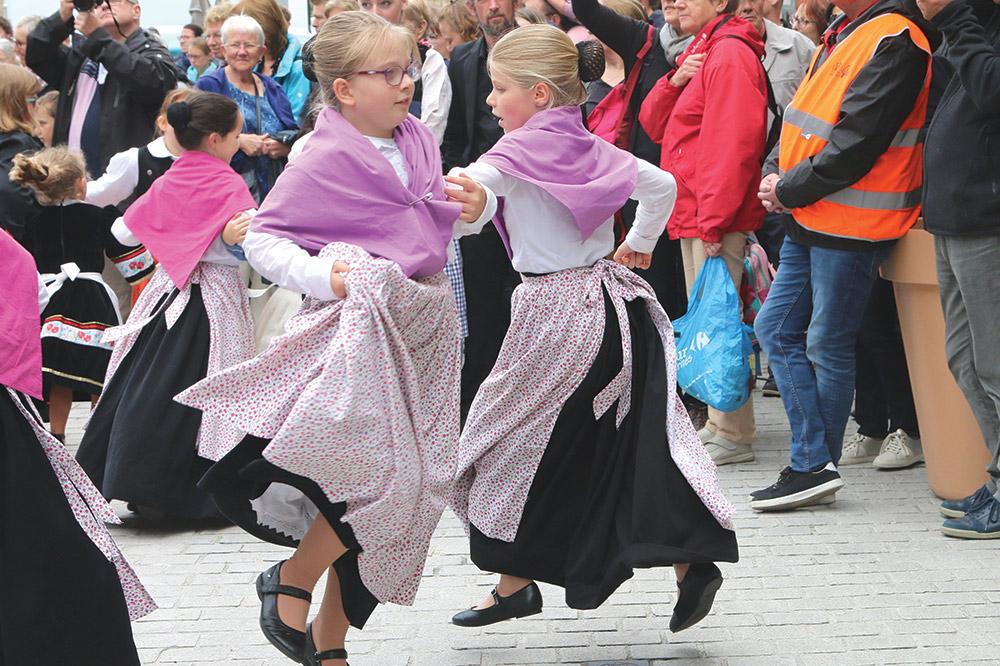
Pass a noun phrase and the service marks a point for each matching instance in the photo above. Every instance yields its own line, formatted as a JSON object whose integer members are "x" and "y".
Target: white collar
{"x": 158, "y": 149}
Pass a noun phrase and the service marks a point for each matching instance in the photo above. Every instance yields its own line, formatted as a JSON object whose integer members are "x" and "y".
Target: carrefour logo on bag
{"x": 685, "y": 354}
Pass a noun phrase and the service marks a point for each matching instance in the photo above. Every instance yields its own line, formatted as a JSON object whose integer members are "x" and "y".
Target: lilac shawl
{"x": 554, "y": 151}
{"x": 20, "y": 319}
{"x": 342, "y": 189}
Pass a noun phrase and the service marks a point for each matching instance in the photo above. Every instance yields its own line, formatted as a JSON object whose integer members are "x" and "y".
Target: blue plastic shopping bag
{"x": 713, "y": 347}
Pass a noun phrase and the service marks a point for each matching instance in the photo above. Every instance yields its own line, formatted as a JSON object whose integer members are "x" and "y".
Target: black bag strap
{"x": 774, "y": 132}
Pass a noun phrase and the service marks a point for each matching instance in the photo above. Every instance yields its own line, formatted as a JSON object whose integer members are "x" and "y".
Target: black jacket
{"x": 140, "y": 74}
{"x": 458, "y": 147}
{"x": 17, "y": 204}
{"x": 874, "y": 107}
{"x": 962, "y": 149}
{"x": 626, "y": 36}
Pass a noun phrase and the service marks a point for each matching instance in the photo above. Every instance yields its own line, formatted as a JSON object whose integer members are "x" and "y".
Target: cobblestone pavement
{"x": 867, "y": 580}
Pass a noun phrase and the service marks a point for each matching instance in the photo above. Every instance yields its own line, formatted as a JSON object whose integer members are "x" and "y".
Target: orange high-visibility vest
{"x": 885, "y": 203}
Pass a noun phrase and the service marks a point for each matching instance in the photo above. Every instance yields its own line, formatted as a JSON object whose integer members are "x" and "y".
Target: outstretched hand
{"x": 629, "y": 258}
{"x": 469, "y": 193}
{"x": 236, "y": 229}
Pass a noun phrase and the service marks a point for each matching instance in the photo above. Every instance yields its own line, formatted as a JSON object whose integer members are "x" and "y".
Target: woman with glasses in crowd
{"x": 267, "y": 113}
{"x": 812, "y": 17}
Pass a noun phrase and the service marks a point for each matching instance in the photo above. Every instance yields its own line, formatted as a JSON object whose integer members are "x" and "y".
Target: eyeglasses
{"x": 238, "y": 46}
{"x": 796, "y": 20}
{"x": 394, "y": 75}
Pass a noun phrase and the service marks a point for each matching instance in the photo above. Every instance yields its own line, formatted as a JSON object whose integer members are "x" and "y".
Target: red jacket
{"x": 713, "y": 132}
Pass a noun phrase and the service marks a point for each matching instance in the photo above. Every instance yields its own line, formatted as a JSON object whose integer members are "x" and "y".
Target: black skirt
{"x": 243, "y": 475}
{"x": 62, "y": 602}
{"x": 140, "y": 445}
{"x": 72, "y": 323}
{"x": 604, "y": 501}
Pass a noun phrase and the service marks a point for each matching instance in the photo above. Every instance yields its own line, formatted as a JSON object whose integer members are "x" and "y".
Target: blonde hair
{"x": 47, "y": 103}
{"x": 340, "y": 5}
{"x": 417, "y": 11}
{"x": 458, "y": 16}
{"x": 17, "y": 84}
{"x": 346, "y": 41}
{"x": 54, "y": 174}
{"x": 541, "y": 54}
{"x": 219, "y": 13}
{"x": 630, "y": 8}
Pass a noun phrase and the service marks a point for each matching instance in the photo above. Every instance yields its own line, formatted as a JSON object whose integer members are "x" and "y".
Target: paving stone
{"x": 867, "y": 580}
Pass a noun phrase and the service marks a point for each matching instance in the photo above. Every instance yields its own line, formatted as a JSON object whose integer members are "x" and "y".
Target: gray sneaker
{"x": 899, "y": 450}
{"x": 725, "y": 452}
{"x": 859, "y": 449}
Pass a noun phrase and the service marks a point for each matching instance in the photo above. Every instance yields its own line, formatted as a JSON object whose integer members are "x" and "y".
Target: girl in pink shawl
{"x": 192, "y": 319}
{"x": 352, "y": 414}
{"x": 578, "y": 463}
{"x": 68, "y": 592}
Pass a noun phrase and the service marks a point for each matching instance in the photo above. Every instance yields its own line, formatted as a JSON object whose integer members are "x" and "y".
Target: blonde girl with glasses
{"x": 353, "y": 414}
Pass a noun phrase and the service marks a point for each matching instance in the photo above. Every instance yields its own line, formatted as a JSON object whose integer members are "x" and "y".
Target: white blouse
{"x": 286, "y": 264}
{"x": 122, "y": 176}
{"x": 543, "y": 235}
{"x": 215, "y": 254}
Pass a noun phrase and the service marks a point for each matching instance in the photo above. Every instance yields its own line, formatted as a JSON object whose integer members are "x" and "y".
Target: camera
{"x": 86, "y": 5}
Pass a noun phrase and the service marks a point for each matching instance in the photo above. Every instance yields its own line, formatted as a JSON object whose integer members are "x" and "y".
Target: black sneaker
{"x": 795, "y": 489}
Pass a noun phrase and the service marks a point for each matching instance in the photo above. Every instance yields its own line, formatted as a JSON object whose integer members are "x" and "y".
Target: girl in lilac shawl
{"x": 352, "y": 415}
{"x": 578, "y": 463}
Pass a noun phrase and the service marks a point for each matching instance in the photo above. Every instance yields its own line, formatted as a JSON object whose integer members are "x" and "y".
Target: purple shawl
{"x": 554, "y": 151}
{"x": 20, "y": 319}
{"x": 342, "y": 189}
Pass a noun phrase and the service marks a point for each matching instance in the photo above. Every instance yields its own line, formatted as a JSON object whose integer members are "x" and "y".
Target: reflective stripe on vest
{"x": 885, "y": 202}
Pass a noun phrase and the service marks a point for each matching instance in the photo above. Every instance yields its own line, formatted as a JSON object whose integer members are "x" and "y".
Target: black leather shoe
{"x": 526, "y": 601}
{"x": 696, "y": 593}
{"x": 313, "y": 657}
{"x": 290, "y": 642}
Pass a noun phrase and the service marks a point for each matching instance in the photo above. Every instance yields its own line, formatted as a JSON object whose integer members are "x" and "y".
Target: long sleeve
{"x": 283, "y": 262}
{"x": 874, "y": 107}
{"x": 971, "y": 54}
{"x": 656, "y": 192}
{"x": 436, "y": 101}
{"x": 118, "y": 182}
{"x": 623, "y": 35}
{"x": 657, "y": 107}
{"x": 123, "y": 234}
{"x": 492, "y": 175}
{"x": 731, "y": 137}
{"x": 147, "y": 75}
{"x": 45, "y": 54}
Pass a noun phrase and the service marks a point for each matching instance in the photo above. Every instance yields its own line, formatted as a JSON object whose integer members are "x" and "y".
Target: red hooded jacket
{"x": 713, "y": 132}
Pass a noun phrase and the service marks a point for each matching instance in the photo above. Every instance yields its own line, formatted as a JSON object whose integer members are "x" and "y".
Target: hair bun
{"x": 28, "y": 170}
{"x": 591, "y": 60}
{"x": 179, "y": 115}
{"x": 309, "y": 61}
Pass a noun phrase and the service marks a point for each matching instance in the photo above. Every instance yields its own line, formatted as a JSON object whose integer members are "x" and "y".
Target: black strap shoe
{"x": 290, "y": 642}
{"x": 526, "y": 601}
{"x": 695, "y": 596}
{"x": 313, "y": 657}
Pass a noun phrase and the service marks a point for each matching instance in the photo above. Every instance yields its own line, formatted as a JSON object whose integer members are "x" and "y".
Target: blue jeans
{"x": 809, "y": 327}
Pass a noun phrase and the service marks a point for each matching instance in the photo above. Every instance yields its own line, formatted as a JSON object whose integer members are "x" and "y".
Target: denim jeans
{"x": 808, "y": 328}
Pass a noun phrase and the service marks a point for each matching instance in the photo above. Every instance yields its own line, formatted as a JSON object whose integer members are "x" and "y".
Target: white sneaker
{"x": 725, "y": 452}
{"x": 706, "y": 435}
{"x": 859, "y": 449}
{"x": 899, "y": 450}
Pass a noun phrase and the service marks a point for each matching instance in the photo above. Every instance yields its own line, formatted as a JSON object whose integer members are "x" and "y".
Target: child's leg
{"x": 319, "y": 549}
{"x": 331, "y": 623}
{"x": 60, "y": 401}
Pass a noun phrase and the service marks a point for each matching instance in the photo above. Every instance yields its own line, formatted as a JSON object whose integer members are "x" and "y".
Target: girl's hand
{"x": 340, "y": 269}
{"x": 687, "y": 71}
{"x": 629, "y": 258}
{"x": 469, "y": 193}
{"x": 252, "y": 145}
{"x": 236, "y": 229}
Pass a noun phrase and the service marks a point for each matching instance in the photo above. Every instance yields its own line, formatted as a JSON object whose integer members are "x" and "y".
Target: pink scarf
{"x": 20, "y": 320}
{"x": 185, "y": 209}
